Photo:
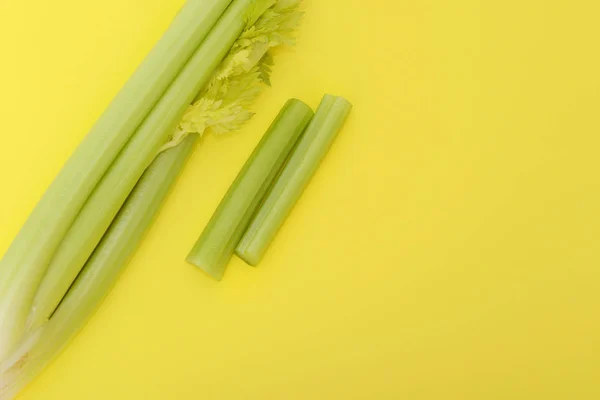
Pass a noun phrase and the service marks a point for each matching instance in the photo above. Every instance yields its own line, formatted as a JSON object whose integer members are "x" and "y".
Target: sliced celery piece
{"x": 217, "y": 243}
{"x": 107, "y": 198}
{"x": 295, "y": 177}
{"x": 100, "y": 272}
{"x": 24, "y": 264}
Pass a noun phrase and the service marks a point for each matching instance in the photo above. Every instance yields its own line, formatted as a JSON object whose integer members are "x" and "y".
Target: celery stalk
{"x": 100, "y": 272}
{"x": 24, "y": 264}
{"x": 295, "y": 177}
{"x": 216, "y": 245}
{"x": 111, "y": 192}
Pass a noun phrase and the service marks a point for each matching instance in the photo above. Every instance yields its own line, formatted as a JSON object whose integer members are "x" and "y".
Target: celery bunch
{"x": 202, "y": 76}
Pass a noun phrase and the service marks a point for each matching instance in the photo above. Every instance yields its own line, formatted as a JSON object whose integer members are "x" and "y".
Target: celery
{"x": 107, "y": 198}
{"x": 223, "y": 105}
{"x": 24, "y": 264}
{"x": 295, "y": 177}
{"x": 100, "y": 272}
{"x": 217, "y": 243}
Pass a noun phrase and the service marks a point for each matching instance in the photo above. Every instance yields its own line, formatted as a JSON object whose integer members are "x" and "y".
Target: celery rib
{"x": 295, "y": 177}
{"x": 115, "y": 186}
{"x": 100, "y": 272}
{"x": 216, "y": 245}
{"x": 24, "y": 264}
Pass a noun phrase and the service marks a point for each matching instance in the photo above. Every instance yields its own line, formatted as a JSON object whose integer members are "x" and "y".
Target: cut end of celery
{"x": 249, "y": 258}
{"x": 209, "y": 269}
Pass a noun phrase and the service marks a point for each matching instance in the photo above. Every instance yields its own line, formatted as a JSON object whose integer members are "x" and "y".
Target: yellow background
{"x": 447, "y": 249}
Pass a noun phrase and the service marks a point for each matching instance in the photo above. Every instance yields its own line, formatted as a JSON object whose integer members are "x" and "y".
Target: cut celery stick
{"x": 216, "y": 246}
{"x": 107, "y": 198}
{"x": 24, "y": 264}
{"x": 295, "y": 177}
{"x": 100, "y": 272}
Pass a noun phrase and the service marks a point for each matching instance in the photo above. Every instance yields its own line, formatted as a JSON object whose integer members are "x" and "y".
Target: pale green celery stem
{"x": 100, "y": 272}
{"x": 24, "y": 264}
{"x": 295, "y": 177}
{"x": 111, "y": 192}
{"x": 217, "y": 243}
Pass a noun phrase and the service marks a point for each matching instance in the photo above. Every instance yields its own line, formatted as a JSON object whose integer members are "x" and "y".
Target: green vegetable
{"x": 216, "y": 246}
{"x": 100, "y": 273}
{"x": 108, "y": 196}
{"x": 222, "y": 105}
{"x": 295, "y": 177}
{"x": 23, "y": 266}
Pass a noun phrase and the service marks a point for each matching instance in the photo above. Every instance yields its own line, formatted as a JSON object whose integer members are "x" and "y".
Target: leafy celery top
{"x": 225, "y": 104}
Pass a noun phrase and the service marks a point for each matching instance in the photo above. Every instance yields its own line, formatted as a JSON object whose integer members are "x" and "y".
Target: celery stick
{"x": 295, "y": 177}
{"x": 215, "y": 247}
{"x": 24, "y": 265}
{"x": 100, "y": 272}
{"x": 106, "y": 200}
